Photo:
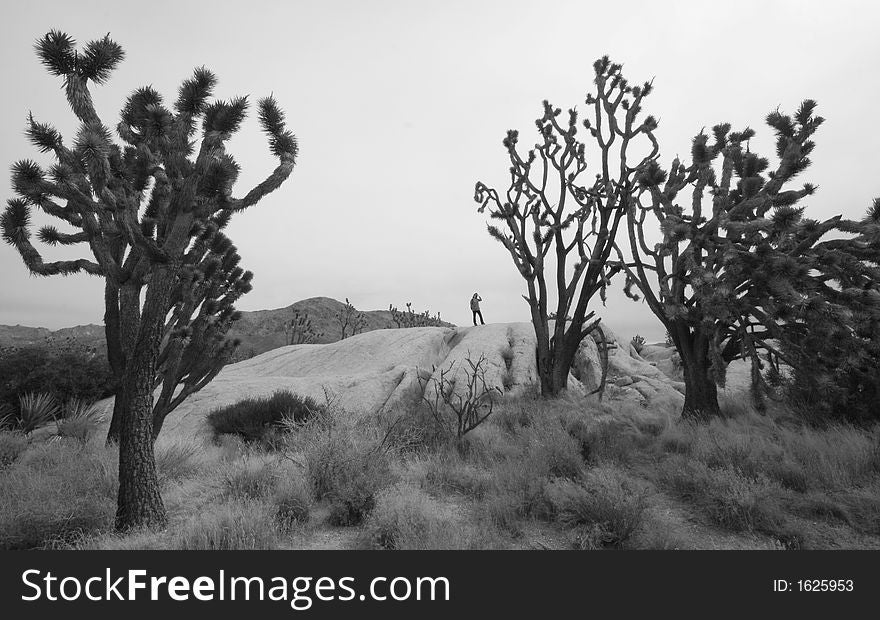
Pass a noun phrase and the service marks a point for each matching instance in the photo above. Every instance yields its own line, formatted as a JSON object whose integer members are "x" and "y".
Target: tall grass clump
{"x": 261, "y": 419}
{"x": 12, "y": 445}
{"x": 732, "y": 499}
{"x": 799, "y": 457}
{"x": 605, "y": 508}
{"x": 293, "y": 502}
{"x": 250, "y": 479}
{"x": 177, "y": 460}
{"x": 234, "y": 524}
{"x": 346, "y": 464}
{"x": 56, "y": 492}
{"x": 79, "y": 420}
{"x": 522, "y": 463}
{"x": 405, "y": 517}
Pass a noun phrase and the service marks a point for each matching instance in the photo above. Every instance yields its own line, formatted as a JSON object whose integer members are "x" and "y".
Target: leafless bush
{"x": 470, "y": 407}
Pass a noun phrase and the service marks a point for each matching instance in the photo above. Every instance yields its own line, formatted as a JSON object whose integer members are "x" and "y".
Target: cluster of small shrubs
{"x": 263, "y": 419}
{"x": 73, "y": 373}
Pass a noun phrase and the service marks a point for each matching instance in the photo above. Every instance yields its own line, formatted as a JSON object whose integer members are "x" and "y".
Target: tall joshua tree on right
{"x": 739, "y": 269}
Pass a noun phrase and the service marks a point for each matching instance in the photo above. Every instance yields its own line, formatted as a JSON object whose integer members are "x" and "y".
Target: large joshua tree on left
{"x": 151, "y": 211}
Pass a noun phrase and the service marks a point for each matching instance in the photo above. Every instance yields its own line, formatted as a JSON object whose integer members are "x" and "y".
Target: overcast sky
{"x": 400, "y": 106}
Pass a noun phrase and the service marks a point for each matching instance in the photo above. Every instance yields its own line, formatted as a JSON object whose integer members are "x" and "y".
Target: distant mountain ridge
{"x": 258, "y": 330}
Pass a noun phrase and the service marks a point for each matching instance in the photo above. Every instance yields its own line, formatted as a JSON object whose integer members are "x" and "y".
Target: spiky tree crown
{"x": 740, "y": 262}
{"x": 158, "y": 200}
{"x": 551, "y": 203}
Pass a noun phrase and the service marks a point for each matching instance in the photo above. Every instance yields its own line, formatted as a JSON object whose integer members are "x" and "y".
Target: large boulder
{"x": 633, "y": 379}
{"x": 390, "y": 368}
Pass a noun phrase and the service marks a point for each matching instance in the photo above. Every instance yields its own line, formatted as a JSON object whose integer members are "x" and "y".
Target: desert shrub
{"x": 76, "y": 373}
{"x": 605, "y": 508}
{"x": 79, "y": 420}
{"x": 347, "y": 467}
{"x": 177, "y": 460}
{"x": 12, "y": 445}
{"x": 56, "y": 492}
{"x": 460, "y": 399}
{"x": 260, "y": 418}
{"x": 407, "y": 518}
{"x": 250, "y": 479}
{"x": 234, "y": 524}
{"x": 293, "y": 501}
{"x": 412, "y": 430}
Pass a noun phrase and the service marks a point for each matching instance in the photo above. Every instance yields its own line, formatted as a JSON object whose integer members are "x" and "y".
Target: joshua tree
{"x": 411, "y": 318}
{"x": 150, "y": 211}
{"x": 739, "y": 267}
{"x": 351, "y": 320}
{"x": 548, "y": 207}
{"x": 835, "y": 356}
{"x": 299, "y": 329}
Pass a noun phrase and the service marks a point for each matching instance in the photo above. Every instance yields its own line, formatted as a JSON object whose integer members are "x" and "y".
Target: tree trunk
{"x": 139, "y": 502}
{"x": 115, "y": 355}
{"x": 124, "y": 303}
{"x": 701, "y": 392}
{"x": 554, "y": 367}
{"x": 115, "y": 430}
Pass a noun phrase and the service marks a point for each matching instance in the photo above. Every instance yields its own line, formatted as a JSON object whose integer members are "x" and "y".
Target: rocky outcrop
{"x": 631, "y": 378}
{"x": 388, "y": 369}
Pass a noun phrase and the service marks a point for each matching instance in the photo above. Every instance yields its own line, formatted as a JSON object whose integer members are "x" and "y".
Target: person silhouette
{"x": 475, "y": 308}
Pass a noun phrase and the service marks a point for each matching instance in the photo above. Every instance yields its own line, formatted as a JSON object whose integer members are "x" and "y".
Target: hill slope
{"x": 259, "y": 331}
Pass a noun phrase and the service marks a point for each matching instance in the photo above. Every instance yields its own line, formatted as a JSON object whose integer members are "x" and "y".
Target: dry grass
{"x": 12, "y": 445}
{"x": 594, "y": 476}
{"x": 55, "y": 492}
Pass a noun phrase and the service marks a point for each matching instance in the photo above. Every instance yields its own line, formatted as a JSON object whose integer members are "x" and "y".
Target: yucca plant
{"x": 36, "y": 409}
{"x": 80, "y": 419}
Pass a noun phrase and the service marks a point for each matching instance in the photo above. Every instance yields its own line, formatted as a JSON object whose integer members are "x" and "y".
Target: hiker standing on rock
{"x": 475, "y": 308}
